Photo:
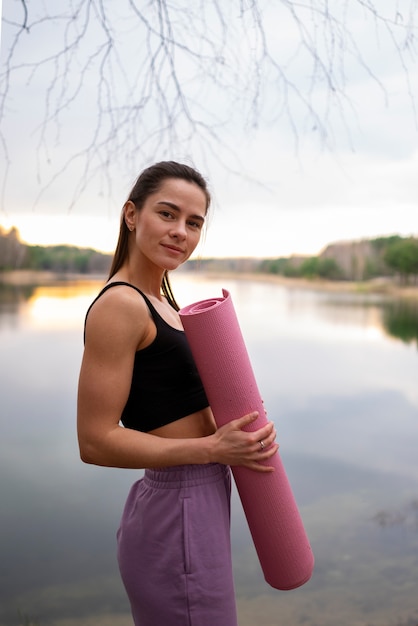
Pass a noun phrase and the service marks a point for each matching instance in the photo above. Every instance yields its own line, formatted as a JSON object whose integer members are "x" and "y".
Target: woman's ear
{"x": 129, "y": 215}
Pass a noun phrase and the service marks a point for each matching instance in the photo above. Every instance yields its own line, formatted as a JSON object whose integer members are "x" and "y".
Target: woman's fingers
{"x": 260, "y": 439}
{"x": 264, "y": 447}
{"x": 259, "y": 460}
{"x": 238, "y": 446}
{"x": 267, "y": 431}
{"x": 241, "y": 422}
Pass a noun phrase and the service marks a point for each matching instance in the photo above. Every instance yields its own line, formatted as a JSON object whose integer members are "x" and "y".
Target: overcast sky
{"x": 296, "y": 194}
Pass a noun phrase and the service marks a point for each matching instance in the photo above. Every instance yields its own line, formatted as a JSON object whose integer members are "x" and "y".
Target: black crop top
{"x": 165, "y": 384}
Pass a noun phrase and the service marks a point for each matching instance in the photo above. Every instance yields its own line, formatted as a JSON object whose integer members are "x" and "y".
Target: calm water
{"x": 339, "y": 376}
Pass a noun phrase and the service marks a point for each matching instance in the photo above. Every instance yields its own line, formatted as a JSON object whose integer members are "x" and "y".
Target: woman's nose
{"x": 178, "y": 230}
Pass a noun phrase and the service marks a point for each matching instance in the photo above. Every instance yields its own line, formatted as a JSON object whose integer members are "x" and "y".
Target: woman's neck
{"x": 148, "y": 282}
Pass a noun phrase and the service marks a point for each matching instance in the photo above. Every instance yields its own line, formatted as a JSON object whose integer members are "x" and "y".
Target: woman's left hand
{"x": 234, "y": 446}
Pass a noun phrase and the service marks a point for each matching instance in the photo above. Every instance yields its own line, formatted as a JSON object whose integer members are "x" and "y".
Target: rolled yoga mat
{"x": 221, "y": 357}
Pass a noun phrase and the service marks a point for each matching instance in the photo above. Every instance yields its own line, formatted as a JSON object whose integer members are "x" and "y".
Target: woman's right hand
{"x": 235, "y": 446}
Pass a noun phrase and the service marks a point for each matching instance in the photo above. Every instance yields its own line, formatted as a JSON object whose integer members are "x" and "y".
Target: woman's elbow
{"x": 86, "y": 455}
{"x": 88, "y": 452}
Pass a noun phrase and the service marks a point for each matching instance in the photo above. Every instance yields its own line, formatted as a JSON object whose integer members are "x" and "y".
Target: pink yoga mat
{"x": 215, "y": 338}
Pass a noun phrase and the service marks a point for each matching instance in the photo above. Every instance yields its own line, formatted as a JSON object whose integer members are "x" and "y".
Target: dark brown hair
{"x": 147, "y": 183}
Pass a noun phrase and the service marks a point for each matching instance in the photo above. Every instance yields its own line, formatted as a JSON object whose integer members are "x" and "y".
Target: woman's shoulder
{"x": 119, "y": 312}
{"x": 119, "y": 297}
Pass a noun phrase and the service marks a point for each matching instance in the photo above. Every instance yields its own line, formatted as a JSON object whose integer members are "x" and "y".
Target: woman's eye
{"x": 195, "y": 224}
{"x": 166, "y": 214}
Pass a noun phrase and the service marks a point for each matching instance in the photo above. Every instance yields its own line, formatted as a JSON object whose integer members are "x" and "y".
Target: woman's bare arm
{"x": 117, "y": 325}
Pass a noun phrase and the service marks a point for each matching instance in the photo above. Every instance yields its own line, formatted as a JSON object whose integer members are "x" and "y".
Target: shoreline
{"x": 27, "y": 278}
{"x": 379, "y": 286}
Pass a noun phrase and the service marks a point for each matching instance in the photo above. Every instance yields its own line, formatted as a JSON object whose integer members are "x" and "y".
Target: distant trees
{"x": 357, "y": 260}
{"x": 15, "y": 254}
{"x": 299, "y": 267}
{"x": 402, "y": 256}
{"x": 385, "y": 256}
{"x": 12, "y": 250}
{"x": 274, "y": 266}
{"x": 64, "y": 259}
{"x": 347, "y": 260}
{"x": 324, "y": 268}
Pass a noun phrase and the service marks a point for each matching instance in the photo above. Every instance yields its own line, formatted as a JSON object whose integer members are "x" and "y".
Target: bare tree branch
{"x": 170, "y": 75}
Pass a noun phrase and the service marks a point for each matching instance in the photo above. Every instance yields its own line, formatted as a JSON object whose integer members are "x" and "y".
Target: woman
{"x": 141, "y": 404}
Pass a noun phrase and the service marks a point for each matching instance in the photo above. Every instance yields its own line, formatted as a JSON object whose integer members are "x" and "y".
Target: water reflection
{"x": 398, "y": 318}
{"x": 11, "y": 299}
{"x": 344, "y": 396}
{"x": 401, "y": 320}
{"x": 62, "y": 303}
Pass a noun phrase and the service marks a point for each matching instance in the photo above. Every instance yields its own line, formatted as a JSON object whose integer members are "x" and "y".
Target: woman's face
{"x": 169, "y": 225}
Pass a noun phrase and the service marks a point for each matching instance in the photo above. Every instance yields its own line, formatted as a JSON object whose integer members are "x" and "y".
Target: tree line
{"x": 393, "y": 256}
{"x": 61, "y": 259}
{"x": 383, "y": 256}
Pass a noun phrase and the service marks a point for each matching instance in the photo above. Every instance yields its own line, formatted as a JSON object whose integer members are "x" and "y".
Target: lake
{"x": 338, "y": 373}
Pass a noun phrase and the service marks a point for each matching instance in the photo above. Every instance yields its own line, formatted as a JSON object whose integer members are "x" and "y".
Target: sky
{"x": 282, "y": 182}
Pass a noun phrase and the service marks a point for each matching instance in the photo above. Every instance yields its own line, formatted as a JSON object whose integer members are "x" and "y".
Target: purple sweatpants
{"x": 174, "y": 547}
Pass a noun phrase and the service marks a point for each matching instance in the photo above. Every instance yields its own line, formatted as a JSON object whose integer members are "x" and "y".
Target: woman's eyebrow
{"x": 177, "y": 208}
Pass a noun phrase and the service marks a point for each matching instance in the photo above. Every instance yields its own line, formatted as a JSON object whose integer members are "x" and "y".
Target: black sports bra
{"x": 165, "y": 385}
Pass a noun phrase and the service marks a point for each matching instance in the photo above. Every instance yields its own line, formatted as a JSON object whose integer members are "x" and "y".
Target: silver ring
{"x": 262, "y": 445}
